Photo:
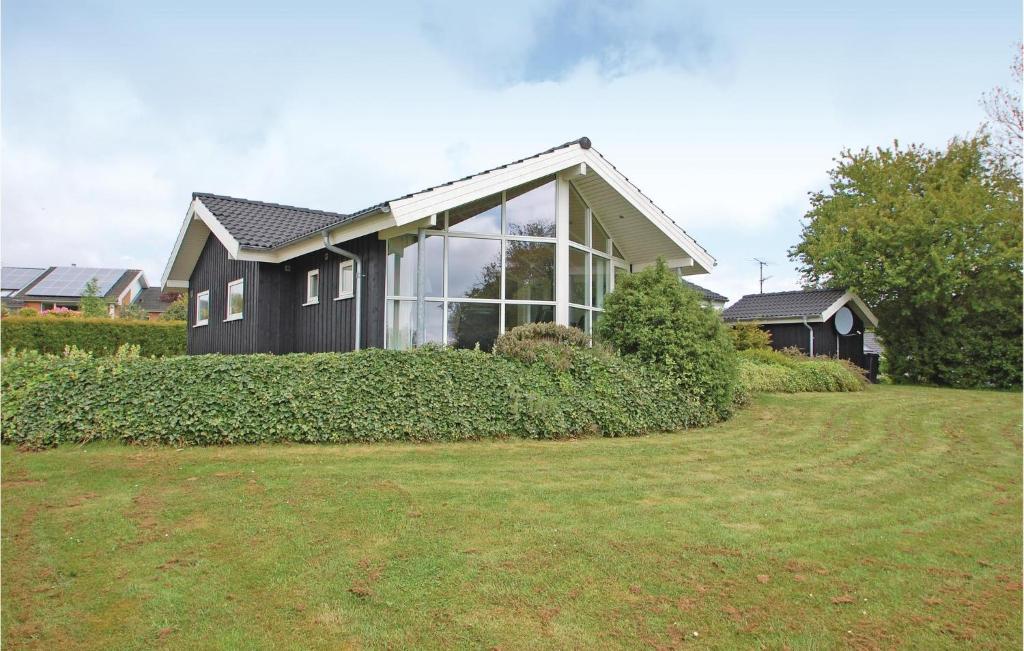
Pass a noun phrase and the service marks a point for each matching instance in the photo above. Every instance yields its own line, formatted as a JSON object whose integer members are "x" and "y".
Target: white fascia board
{"x": 349, "y": 231}
{"x": 439, "y": 199}
{"x": 203, "y": 213}
{"x": 810, "y": 319}
{"x": 164, "y": 278}
{"x": 859, "y": 307}
{"x": 624, "y": 187}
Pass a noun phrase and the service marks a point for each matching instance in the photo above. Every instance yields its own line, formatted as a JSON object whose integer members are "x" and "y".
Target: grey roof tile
{"x": 779, "y": 305}
{"x": 705, "y": 292}
{"x": 154, "y": 299}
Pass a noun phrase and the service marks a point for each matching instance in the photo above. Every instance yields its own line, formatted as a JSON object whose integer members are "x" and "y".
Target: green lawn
{"x": 887, "y": 518}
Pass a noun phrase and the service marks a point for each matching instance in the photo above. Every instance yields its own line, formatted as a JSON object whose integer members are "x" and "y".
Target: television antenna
{"x": 761, "y": 265}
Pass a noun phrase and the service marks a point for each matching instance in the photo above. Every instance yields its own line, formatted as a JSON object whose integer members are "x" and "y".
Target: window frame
{"x": 344, "y": 266}
{"x": 310, "y": 299}
{"x": 588, "y": 249}
{"x": 228, "y": 316}
{"x": 199, "y": 296}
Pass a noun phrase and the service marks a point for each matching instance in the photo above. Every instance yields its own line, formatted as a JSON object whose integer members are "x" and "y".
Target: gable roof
{"x": 810, "y": 304}
{"x": 153, "y": 299}
{"x": 17, "y": 278}
{"x": 708, "y": 294}
{"x": 262, "y": 225}
{"x": 62, "y": 283}
{"x": 270, "y": 232}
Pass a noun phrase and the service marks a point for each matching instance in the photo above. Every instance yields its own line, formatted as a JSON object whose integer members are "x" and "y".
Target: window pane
{"x": 433, "y": 247}
{"x": 517, "y": 314}
{"x": 481, "y": 216}
{"x": 529, "y": 271}
{"x": 400, "y": 320}
{"x": 620, "y": 273}
{"x": 530, "y": 209}
{"x": 577, "y": 218}
{"x": 203, "y": 307}
{"x": 578, "y": 318}
{"x": 599, "y": 280}
{"x": 235, "y": 300}
{"x": 433, "y": 331}
{"x": 470, "y": 324}
{"x": 401, "y": 272}
{"x": 577, "y": 276}
{"x": 347, "y": 275}
{"x": 616, "y": 252}
{"x": 313, "y": 287}
{"x": 474, "y": 267}
{"x": 598, "y": 236}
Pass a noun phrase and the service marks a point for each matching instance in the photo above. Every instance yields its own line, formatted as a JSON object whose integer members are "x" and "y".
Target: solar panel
{"x": 18, "y": 277}
{"x": 71, "y": 281}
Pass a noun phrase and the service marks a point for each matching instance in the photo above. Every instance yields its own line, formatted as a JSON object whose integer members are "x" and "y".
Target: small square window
{"x": 236, "y": 299}
{"x": 202, "y": 308}
{"x": 346, "y": 279}
{"x": 312, "y": 287}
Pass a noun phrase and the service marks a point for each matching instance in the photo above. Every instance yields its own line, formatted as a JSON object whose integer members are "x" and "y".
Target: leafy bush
{"x": 750, "y": 336}
{"x": 132, "y": 311}
{"x": 100, "y": 336}
{"x": 63, "y": 312}
{"x": 91, "y": 303}
{"x": 653, "y": 316}
{"x": 769, "y": 371}
{"x": 549, "y": 343}
{"x": 27, "y": 313}
{"x": 428, "y": 394}
{"x": 178, "y": 310}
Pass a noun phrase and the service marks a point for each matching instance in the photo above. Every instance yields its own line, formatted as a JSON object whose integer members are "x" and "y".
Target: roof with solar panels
{"x": 54, "y": 283}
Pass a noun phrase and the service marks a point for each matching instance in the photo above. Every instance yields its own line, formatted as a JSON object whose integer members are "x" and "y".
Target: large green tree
{"x": 931, "y": 240}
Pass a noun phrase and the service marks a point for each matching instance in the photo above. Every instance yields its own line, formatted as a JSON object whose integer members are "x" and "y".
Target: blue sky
{"x": 726, "y": 114}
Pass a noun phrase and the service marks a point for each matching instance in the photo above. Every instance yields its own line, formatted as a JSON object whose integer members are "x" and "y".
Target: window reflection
{"x": 530, "y": 209}
{"x": 474, "y": 267}
{"x": 481, "y": 216}
{"x": 578, "y": 318}
{"x": 577, "y": 218}
{"x": 529, "y": 271}
{"x": 599, "y": 236}
{"x": 400, "y": 318}
{"x": 577, "y": 276}
{"x": 401, "y": 266}
{"x": 599, "y": 281}
{"x": 470, "y": 324}
{"x": 517, "y": 314}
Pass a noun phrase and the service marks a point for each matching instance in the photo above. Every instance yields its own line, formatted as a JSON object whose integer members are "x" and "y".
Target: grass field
{"x": 886, "y": 518}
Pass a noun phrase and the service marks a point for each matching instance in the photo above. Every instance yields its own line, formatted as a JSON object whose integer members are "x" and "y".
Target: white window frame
{"x": 587, "y": 248}
{"x": 310, "y": 299}
{"x": 344, "y": 267}
{"x": 199, "y": 297}
{"x": 228, "y": 316}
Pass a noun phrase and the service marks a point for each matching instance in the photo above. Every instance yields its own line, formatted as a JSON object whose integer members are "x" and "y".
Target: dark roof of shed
{"x": 780, "y": 305}
{"x": 154, "y": 299}
{"x": 705, "y": 292}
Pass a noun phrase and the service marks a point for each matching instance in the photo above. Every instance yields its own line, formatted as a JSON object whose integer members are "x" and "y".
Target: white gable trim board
{"x": 642, "y": 242}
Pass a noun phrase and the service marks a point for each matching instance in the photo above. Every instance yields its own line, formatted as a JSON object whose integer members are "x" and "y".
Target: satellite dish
{"x": 844, "y": 321}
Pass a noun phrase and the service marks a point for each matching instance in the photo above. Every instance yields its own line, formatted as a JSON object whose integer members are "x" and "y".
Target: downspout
{"x": 357, "y": 285}
{"x": 810, "y": 330}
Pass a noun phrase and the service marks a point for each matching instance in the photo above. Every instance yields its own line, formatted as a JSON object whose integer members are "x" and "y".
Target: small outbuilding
{"x": 828, "y": 322}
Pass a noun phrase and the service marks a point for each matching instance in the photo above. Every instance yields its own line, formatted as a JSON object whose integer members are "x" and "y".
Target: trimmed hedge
{"x": 99, "y": 336}
{"x": 770, "y": 371}
{"x": 428, "y": 394}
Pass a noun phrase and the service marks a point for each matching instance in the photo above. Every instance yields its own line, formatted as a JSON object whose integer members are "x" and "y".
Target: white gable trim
{"x": 859, "y": 307}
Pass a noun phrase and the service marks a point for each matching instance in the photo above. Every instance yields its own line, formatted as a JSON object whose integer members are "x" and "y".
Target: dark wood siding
{"x": 276, "y": 321}
{"x": 213, "y": 272}
{"x": 826, "y": 340}
{"x": 328, "y": 325}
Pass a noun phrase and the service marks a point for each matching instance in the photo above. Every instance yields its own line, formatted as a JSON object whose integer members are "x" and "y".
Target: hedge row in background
{"x": 770, "y": 371}
{"x": 99, "y": 336}
{"x": 429, "y": 394}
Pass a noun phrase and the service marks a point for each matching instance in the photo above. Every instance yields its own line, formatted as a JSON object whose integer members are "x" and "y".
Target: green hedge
{"x": 429, "y": 394}
{"x": 100, "y": 336}
{"x": 769, "y": 371}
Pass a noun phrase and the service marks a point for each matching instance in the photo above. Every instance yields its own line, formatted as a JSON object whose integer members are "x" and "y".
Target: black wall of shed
{"x": 826, "y": 340}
